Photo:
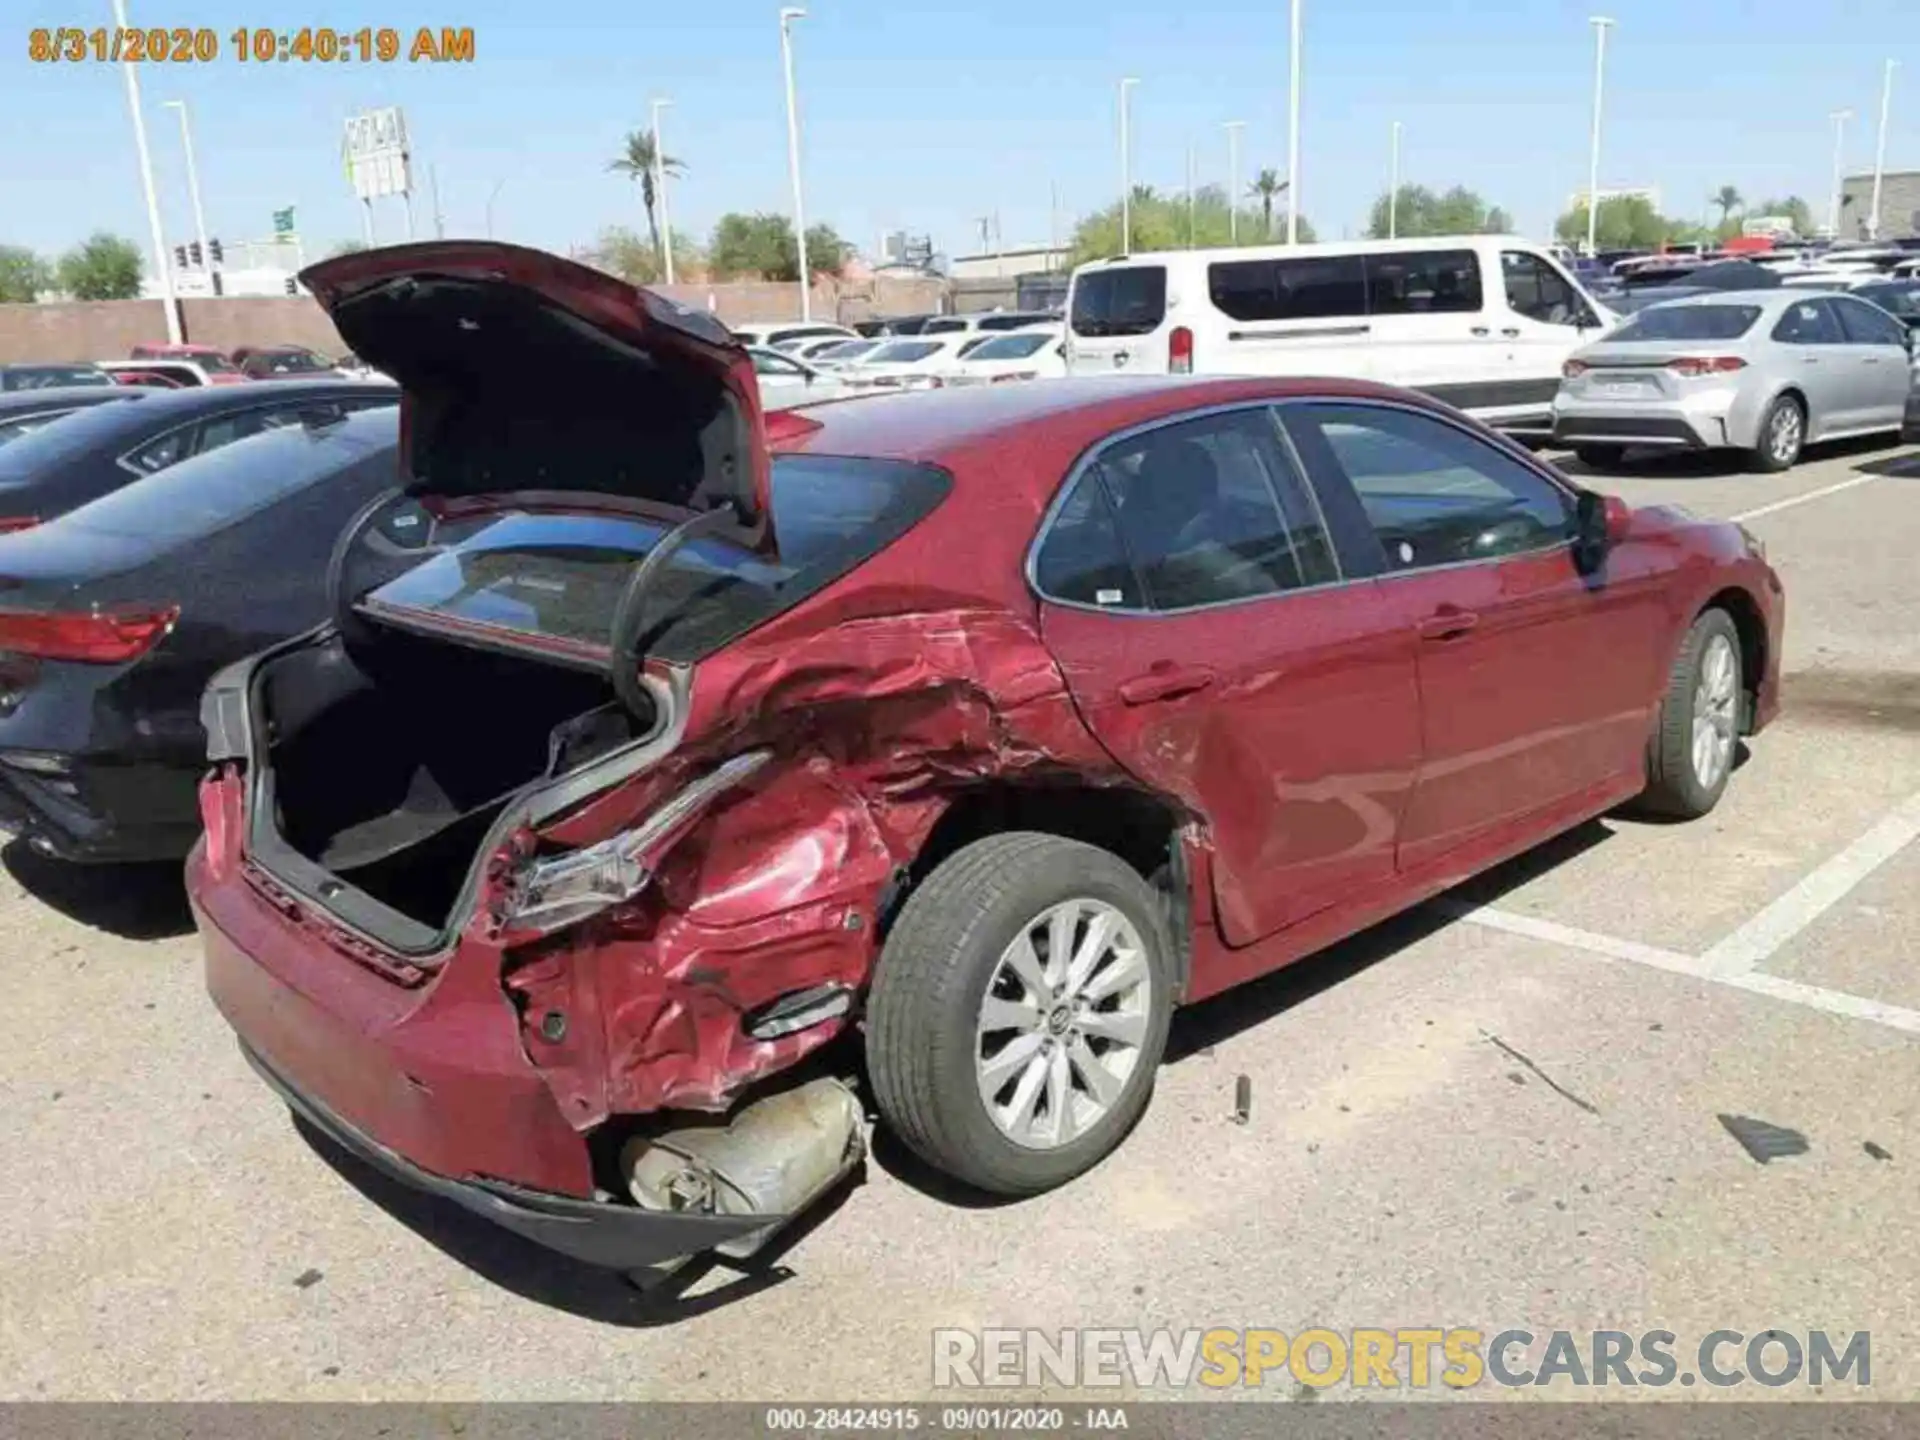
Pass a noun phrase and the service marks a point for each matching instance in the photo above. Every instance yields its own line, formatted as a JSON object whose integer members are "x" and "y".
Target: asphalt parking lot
{"x": 1499, "y": 1110}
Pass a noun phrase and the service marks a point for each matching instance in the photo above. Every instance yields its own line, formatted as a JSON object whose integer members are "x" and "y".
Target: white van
{"x": 1483, "y": 322}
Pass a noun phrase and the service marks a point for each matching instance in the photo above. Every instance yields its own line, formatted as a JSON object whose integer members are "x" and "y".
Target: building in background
{"x": 1010, "y": 263}
{"x": 1899, "y": 205}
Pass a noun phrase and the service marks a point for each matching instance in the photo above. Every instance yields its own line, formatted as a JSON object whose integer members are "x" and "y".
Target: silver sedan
{"x": 1768, "y": 371}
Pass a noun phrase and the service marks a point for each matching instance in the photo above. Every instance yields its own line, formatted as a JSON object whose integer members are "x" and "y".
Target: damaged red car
{"x": 655, "y": 742}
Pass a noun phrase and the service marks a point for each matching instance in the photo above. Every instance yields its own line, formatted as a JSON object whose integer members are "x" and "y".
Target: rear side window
{"x": 1322, "y": 287}
{"x": 1124, "y": 300}
{"x": 1424, "y": 282}
{"x": 561, "y": 576}
{"x": 1689, "y": 322}
{"x": 1808, "y": 322}
{"x": 1208, "y": 511}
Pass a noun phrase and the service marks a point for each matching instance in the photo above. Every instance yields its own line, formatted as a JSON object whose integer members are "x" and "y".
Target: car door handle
{"x": 1870, "y": 359}
{"x": 1165, "y": 682}
{"x": 1447, "y": 623}
{"x": 1511, "y": 332}
{"x": 1482, "y": 331}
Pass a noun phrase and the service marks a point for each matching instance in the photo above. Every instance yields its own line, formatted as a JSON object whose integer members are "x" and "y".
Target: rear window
{"x": 943, "y": 327}
{"x": 903, "y": 352}
{"x": 1127, "y": 300}
{"x": 1012, "y": 347}
{"x": 52, "y": 444}
{"x": 45, "y": 377}
{"x": 217, "y": 488}
{"x": 1316, "y": 288}
{"x": 1901, "y": 300}
{"x": 1688, "y": 322}
{"x": 560, "y": 576}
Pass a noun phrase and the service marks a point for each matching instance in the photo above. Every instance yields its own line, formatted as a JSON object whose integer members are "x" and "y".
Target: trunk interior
{"x": 391, "y": 757}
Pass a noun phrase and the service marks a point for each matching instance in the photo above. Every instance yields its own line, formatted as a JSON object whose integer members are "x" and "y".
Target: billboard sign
{"x": 375, "y": 149}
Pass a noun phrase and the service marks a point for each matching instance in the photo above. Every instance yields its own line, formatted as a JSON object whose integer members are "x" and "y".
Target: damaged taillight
{"x": 552, "y": 894}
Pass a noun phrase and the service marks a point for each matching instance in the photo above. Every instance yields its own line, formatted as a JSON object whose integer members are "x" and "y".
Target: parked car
{"x": 780, "y": 335}
{"x": 785, "y": 381}
{"x": 839, "y": 354}
{"x": 911, "y": 362}
{"x": 44, "y": 377}
{"x": 280, "y": 362}
{"x": 210, "y": 358}
{"x": 172, "y": 374}
{"x": 1899, "y": 298}
{"x": 60, "y": 467}
{"x": 114, "y": 617}
{"x": 999, "y": 721}
{"x": 24, "y": 411}
{"x": 1035, "y": 353}
{"x": 991, "y": 320}
{"x": 1766, "y": 371}
{"x": 1482, "y": 322}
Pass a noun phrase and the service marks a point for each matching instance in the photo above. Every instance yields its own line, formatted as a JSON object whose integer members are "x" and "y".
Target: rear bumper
{"x": 595, "y": 1232}
{"x": 1579, "y": 428}
{"x": 83, "y": 810}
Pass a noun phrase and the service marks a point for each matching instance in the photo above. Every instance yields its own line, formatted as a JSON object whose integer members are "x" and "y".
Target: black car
{"x": 114, "y": 617}
{"x": 1899, "y": 298}
{"x": 51, "y": 470}
{"x": 45, "y": 377}
{"x": 25, "y": 410}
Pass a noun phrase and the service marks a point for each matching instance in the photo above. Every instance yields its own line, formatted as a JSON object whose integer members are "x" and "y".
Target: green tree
{"x": 619, "y": 251}
{"x": 23, "y": 275}
{"x": 1728, "y": 199}
{"x": 1422, "y": 212}
{"x": 1626, "y": 222}
{"x": 1162, "y": 223}
{"x": 347, "y": 247}
{"x": 1267, "y": 187}
{"x": 762, "y": 247}
{"x": 104, "y": 268}
{"x": 1794, "y": 209}
{"x": 639, "y": 161}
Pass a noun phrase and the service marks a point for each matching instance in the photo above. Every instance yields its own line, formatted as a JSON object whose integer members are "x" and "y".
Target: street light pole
{"x": 1880, "y": 150}
{"x": 193, "y": 183}
{"x": 1393, "y": 187}
{"x": 1839, "y": 118}
{"x": 1601, "y": 24}
{"x": 161, "y": 271}
{"x": 491, "y": 196}
{"x": 1126, "y": 166}
{"x": 1233, "y": 129}
{"x": 1293, "y": 131}
{"x": 788, "y": 15}
{"x": 660, "y": 189}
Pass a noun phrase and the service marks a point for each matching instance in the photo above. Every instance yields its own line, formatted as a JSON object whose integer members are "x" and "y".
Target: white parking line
{"x": 1806, "y": 499}
{"x": 1762, "y": 937}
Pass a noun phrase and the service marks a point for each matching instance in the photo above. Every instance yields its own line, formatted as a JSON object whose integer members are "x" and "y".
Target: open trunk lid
{"x": 522, "y": 372}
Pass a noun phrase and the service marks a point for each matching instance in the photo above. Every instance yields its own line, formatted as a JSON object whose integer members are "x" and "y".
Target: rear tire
{"x": 1698, "y": 732}
{"x": 1600, "y": 457}
{"x": 983, "y": 1042}
{"x": 1783, "y": 434}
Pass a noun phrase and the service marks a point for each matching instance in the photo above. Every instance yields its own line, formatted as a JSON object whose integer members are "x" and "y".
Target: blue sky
{"x": 928, "y": 116}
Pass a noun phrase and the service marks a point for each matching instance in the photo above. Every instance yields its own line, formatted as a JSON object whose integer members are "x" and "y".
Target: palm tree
{"x": 1728, "y": 199}
{"x": 638, "y": 162}
{"x": 1266, "y": 188}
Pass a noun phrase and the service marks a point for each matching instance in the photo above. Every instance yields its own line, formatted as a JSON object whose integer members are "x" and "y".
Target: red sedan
{"x": 656, "y": 743}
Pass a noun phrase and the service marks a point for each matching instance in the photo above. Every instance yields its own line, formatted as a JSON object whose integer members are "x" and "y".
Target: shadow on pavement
{"x": 135, "y": 902}
{"x": 1905, "y": 466}
{"x": 1728, "y": 464}
{"x": 557, "y": 1281}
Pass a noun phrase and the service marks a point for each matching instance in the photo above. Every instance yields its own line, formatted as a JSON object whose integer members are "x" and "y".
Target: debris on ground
{"x": 307, "y": 1279}
{"x": 1763, "y": 1140}
{"x": 1548, "y": 1080}
{"x": 1877, "y": 1152}
{"x": 1242, "y": 1099}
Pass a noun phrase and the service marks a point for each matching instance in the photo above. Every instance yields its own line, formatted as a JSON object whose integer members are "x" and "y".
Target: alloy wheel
{"x": 1715, "y": 711}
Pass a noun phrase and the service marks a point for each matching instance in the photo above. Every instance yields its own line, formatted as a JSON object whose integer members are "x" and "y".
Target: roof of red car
{"x": 934, "y": 424}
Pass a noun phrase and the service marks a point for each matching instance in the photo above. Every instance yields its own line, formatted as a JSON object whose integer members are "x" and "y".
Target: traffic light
{"x": 179, "y": 257}
{"x": 194, "y": 251}
{"x": 213, "y": 247}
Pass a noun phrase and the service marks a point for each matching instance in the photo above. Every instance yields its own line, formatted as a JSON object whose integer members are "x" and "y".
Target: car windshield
{"x": 1016, "y": 346}
{"x": 903, "y": 352}
{"x": 1901, "y": 300}
{"x": 1688, "y": 322}
{"x": 216, "y": 488}
{"x": 561, "y": 576}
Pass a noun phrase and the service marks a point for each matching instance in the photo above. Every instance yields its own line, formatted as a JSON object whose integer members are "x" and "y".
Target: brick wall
{"x": 108, "y": 329}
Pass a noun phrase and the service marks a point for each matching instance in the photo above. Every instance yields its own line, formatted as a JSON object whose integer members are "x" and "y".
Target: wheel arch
{"x": 1145, "y": 830}
{"x": 1751, "y": 626}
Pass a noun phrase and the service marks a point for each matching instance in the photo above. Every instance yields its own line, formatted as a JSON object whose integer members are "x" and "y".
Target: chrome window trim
{"x": 1088, "y": 457}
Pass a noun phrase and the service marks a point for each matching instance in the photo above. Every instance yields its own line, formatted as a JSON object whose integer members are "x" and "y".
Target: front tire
{"x": 1691, "y": 757}
{"x": 1783, "y": 434}
{"x": 1020, "y": 1010}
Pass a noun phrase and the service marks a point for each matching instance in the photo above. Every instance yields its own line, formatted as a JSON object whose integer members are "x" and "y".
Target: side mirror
{"x": 1599, "y": 523}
